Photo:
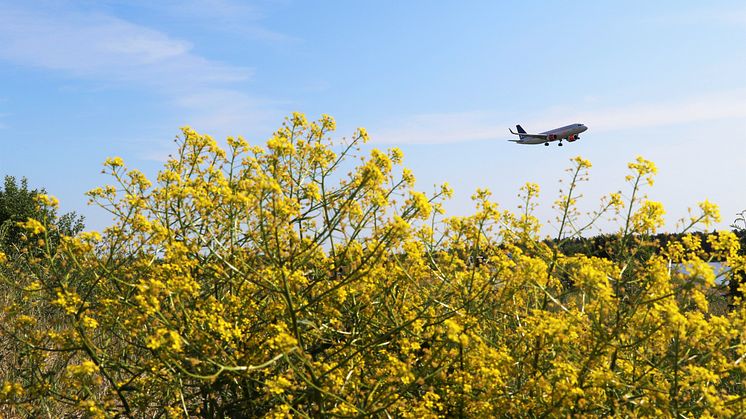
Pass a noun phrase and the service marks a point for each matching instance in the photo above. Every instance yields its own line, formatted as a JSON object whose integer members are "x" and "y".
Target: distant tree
{"x": 18, "y": 203}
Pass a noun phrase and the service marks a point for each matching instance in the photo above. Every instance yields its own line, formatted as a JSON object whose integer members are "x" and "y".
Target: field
{"x": 301, "y": 278}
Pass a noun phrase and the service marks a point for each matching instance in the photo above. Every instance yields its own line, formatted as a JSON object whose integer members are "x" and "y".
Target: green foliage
{"x": 18, "y": 203}
{"x": 602, "y": 245}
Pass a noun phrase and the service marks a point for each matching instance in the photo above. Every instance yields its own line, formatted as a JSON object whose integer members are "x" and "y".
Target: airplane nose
{"x": 584, "y": 128}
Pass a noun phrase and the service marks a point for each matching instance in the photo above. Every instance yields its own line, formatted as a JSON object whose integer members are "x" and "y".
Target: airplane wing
{"x": 528, "y": 135}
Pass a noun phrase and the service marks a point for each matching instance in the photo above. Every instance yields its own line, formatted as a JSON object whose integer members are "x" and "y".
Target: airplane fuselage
{"x": 568, "y": 132}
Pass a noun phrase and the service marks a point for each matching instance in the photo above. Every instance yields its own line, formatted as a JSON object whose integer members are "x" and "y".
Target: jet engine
{"x": 573, "y": 137}
{"x": 552, "y": 137}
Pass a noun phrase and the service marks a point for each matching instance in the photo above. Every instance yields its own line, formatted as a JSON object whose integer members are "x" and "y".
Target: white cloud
{"x": 438, "y": 128}
{"x": 209, "y": 95}
{"x": 484, "y": 125}
{"x": 712, "y": 13}
{"x": 106, "y": 47}
{"x": 222, "y": 112}
{"x": 235, "y": 17}
{"x": 724, "y": 105}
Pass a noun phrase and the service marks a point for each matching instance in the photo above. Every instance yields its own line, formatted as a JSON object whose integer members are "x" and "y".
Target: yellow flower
{"x": 396, "y": 155}
{"x": 163, "y": 337}
{"x": 90, "y": 236}
{"x": 89, "y": 322}
{"x": 454, "y": 330}
{"x": 400, "y": 226}
{"x": 281, "y": 145}
{"x": 278, "y": 385}
{"x": 32, "y": 226}
{"x": 282, "y": 340}
{"x": 48, "y": 201}
{"x": 446, "y": 190}
{"x": 69, "y": 301}
{"x": 420, "y": 203}
{"x": 615, "y": 200}
{"x": 10, "y": 390}
{"x": 530, "y": 189}
{"x": 328, "y": 123}
{"x": 299, "y": 119}
{"x": 363, "y": 134}
{"x": 114, "y": 162}
{"x": 84, "y": 368}
{"x": 582, "y": 163}
{"x": 724, "y": 244}
{"x": 382, "y": 161}
{"x": 643, "y": 168}
{"x": 408, "y": 177}
{"x": 710, "y": 213}
{"x": 649, "y": 217}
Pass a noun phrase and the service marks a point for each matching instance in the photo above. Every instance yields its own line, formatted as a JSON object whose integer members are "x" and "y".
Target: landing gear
{"x": 546, "y": 144}
{"x": 560, "y": 144}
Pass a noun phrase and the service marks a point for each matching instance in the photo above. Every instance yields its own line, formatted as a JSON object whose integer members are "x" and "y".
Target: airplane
{"x": 568, "y": 132}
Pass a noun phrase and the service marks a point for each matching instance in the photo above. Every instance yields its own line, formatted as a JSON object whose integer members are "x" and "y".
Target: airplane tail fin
{"x": 521, "y": 132}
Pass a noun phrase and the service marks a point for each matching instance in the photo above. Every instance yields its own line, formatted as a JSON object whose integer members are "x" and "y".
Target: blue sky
{"x": 83, "y": 80}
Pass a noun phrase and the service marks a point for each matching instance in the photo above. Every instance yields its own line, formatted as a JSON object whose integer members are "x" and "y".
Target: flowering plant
{"x": 285, "y": 281}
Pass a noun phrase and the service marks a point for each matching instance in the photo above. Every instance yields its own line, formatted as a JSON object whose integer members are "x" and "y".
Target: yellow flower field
{"x": 304, "y": 279}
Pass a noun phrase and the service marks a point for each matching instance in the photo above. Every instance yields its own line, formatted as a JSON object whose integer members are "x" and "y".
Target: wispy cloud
{"x": 230, "y": 112}
{"x": 484, "y": 125}
{"x": 94, "y": 46}
{"x": 709, "y": 13}
{"x": 235, "y": 17}
{"x": 106, "y": 47}
{"x": 723, "y": 105}
{"x": 437, "y": 128}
